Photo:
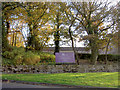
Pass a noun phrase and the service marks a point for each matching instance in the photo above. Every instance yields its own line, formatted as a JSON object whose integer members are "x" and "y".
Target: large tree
{"x": 92, "y": 17}
{"x": 30, "y": 18}
{"x": 118, "y": 25}
{"x": 57, "y": 20}
{"x": 7, "y": 10}
{"x": 35, "y": 15}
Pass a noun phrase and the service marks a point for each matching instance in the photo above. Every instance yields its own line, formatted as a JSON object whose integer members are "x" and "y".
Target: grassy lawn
{"x": 99, "y": 79}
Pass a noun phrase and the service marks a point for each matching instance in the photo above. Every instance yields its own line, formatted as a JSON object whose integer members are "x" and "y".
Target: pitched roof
{"x": 79, "y": 49}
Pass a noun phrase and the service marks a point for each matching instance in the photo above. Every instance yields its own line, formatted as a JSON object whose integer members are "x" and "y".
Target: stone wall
{"x": 59, "y": 68}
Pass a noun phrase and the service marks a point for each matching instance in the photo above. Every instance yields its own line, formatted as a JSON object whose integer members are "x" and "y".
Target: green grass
{"x": 99, "y": 79}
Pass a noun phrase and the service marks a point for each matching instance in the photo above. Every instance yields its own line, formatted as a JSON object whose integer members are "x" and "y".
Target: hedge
{"x": 110, "y": 57}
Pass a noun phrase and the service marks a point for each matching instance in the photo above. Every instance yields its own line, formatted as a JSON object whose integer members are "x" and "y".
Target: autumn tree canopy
{"x": 31, "y": 24}
{"x": 92, "y": 16}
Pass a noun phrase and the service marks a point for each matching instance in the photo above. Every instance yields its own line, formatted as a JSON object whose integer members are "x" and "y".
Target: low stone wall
{"x": 59, "y": 68}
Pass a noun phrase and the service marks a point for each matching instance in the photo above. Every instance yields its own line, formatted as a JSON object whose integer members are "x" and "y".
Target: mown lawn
{"x": 99, "y": 79}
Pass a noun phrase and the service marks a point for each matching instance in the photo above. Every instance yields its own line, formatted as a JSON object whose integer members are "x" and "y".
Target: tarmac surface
{"x": 19, "y": 85}
{"x": 6, "y": 85}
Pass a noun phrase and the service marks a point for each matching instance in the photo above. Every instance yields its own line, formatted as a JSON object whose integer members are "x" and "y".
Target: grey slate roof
{"x": 79, "y": 49}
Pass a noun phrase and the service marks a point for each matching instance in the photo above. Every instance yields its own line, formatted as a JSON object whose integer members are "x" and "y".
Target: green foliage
{"x": 84, "y": 56}
{"x": 18, "y": 56}
{"x": 46, "y": 57}
{"x": 18, "y": 60}
{"x": 110, "y": 57}
{"x": 13, "y": 53}
{"x": 18, "y": 51}
{"x": 6, "y": 61}
{"x": 8, "y": 55}
{"x": 31, "y": 58}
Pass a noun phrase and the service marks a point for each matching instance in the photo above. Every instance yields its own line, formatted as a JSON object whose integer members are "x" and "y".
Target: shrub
{"x": 84, "y": 56}
{"x": 18, "y": 60}
{"x": 29, "y": 58}
{"x": 46, "y": 57}
{"x": 7, "y": 61}
{"x": 12, "y": 54}
{"x": 18, "y": 56}
{"x": 110, "y": 57}
{"x": 8, "y": 55}
{"x": 18, "y": 51}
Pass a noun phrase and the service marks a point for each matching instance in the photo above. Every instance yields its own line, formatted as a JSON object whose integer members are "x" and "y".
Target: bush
{"x": 110, "y": 57}
{"x": 18, "y": 56}
{"x": 7, "y": 61}
{"x": 12, "y": 54}
{"x": 84, "y": 56}
{"x": 8, "y": 55}
{"x": 26, "y": 58}
{"x": 18, "y": 51}
{"x": 18, "y": 60}
{"x": 46, "y": 57}
{"x": 30, "y": 58}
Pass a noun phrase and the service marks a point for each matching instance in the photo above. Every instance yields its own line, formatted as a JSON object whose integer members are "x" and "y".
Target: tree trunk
{"x": 8, "y": 26}
{"x": 30, "y": 44}
{"x": 119, "y": 41}
{"x": 5, "y": 44}
{"x": 32, "y": 41}
{"x": 118, "y": 21}
{"x": 16, "y": 39}
{"x": 107, "y": 50}
{"x": 71, "y": 38}
{"x": 13, "y": 39}
{"x": 94, "y": 51}
{"x": 57, "y": 36}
